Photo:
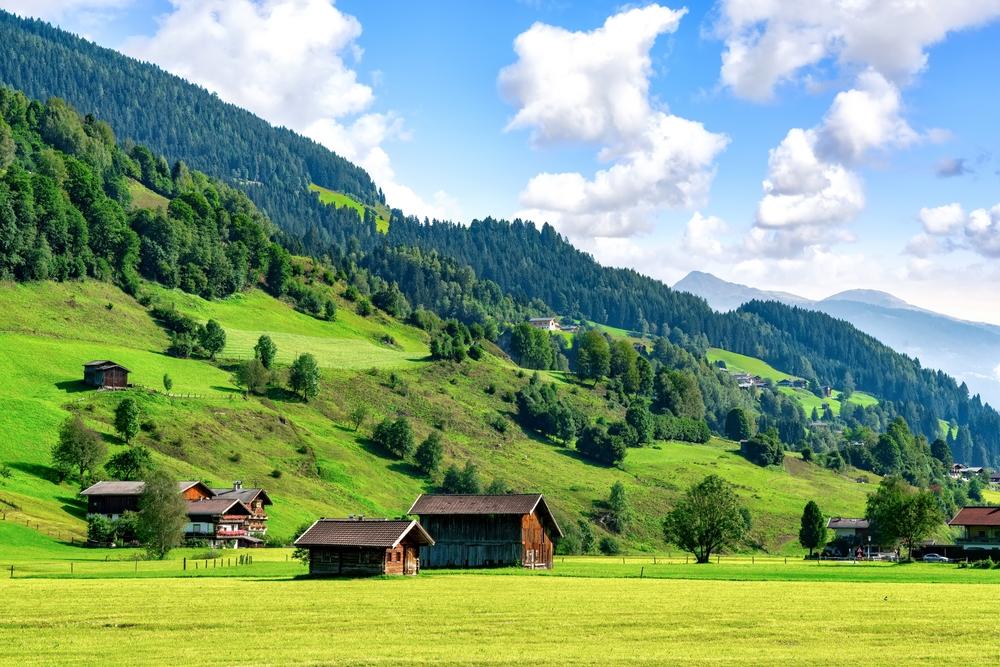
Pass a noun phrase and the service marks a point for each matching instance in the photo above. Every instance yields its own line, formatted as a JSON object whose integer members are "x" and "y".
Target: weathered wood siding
{"x": 115, "y": 377}
{"x": 347, "y": 561}
{"x": 538, "y": 546}
{"x": 472, "y": 541}
{"x": 195, "y": 493}
{"x": 112, "y": 504}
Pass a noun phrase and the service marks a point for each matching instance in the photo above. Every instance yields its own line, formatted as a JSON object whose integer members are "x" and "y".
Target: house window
{"x": 399, "y": 556}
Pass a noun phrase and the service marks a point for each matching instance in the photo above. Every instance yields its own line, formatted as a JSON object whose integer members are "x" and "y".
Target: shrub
{"x": 276, "y": 473}
{"x": 429, "y": 454}
{"x": 498, "y": 422}
{"x": 465, "y": 480}
{"x": 807, "y": 454}
{"x": 597, "y": 444}
{"x": 764, "y": 449}
{"x": 609, "y": 546}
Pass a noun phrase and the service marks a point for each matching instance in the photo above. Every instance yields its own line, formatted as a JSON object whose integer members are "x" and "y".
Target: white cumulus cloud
{"x": 768, "y": 42}
{"x": 593, "y": 88}
{"x": 288, "y": 62}
{"x": 947, "y": 228}
{"x": 942, "y": 219}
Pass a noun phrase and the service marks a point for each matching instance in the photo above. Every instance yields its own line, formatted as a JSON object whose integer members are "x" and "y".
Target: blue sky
{"x": 644, "y": 133}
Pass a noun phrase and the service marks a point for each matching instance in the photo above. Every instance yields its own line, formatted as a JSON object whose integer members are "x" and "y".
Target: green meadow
{"x": 588, "y": 611}
{"x": 308, "y": 455}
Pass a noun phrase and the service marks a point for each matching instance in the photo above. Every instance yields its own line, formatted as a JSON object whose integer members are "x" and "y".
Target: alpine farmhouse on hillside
{"x": 222, "y": 517}
{"x": 105, "y": 374}
{"x": 487, "y": 530}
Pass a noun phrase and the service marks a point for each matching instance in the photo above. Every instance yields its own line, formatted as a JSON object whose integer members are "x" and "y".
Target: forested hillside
{"x": 491, "y": 270}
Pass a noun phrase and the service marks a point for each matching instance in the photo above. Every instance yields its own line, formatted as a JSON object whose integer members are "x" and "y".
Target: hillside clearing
{"x": 339, "y": 199}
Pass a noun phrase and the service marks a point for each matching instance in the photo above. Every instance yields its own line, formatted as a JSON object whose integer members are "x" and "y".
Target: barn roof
{"x": 515, "y": 503}
{"x": 842, "y": 522}
{"x": 977, "y": 516}
{"x": 215, "y": 506}
{"x": 116, "y": 488}
{"x": 387, "y": 533}
{"x": 243, "y": 495}
{"x": 104, "y": 364}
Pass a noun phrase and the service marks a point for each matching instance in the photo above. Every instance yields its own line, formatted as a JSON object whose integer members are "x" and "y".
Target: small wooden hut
{"x": 364, "y": 547}
{"x": 105, "y": 374}
{"x": 487, "y": 530}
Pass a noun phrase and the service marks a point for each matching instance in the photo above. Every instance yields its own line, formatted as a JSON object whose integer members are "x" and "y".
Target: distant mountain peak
{"x": 723, "y": 295}
{"x": 871, "y": 297}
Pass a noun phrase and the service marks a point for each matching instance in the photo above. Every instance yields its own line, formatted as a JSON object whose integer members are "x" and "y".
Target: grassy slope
{"x": 327, "y": 468}
{"x": 739, "y": 363}
{"x": 143, "y": 197}
{"x": 340, "y": 199}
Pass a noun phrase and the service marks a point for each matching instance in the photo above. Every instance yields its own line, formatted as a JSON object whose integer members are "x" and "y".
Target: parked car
{"x": 934, "y": 558}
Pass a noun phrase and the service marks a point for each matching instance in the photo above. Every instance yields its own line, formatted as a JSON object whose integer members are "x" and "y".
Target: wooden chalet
{"x": 222, "y": 517}
{"x": 105, "y": 374}
{"x": 364, "y": 547}
{"x": 487, "y": 530}
{"x": 255, "y": 499}
{"x": 112, "y": 499}
{"x": 222, "y": 522}
{"x": 980, "y": 527}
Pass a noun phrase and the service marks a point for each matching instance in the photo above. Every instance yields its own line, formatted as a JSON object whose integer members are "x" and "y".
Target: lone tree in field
{"x": 621, "y": 514}
{"x": 429, "y": 454}
{"x": 707, "y": 518}
{"x": 168, "y": 382}
{"x": 395, "y": 436}
{"x": 213, "y": 338}
{"x": 253, "y": 375}
{"x": 79, "y": 448}
{"x": 162, "y": 515}
{"x": 303, "y": 376}
{"x": 129, "y": 464}
{"x": 127, "y": 419}
{"x": 812, "y": 531}
{"x": 265, "y": 350}
{"x": 358, "y": 416}
{"x": 738, "y": 425}
{"x": 900, "y": 514}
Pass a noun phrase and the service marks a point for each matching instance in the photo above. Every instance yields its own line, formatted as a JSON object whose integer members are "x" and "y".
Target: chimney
{"x": 237, "y": 485}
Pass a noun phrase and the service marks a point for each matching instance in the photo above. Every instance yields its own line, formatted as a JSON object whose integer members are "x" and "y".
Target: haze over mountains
{"x": 968, "y": 350}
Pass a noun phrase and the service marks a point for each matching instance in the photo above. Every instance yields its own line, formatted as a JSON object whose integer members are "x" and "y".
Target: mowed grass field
{"x": 588, "y": 611}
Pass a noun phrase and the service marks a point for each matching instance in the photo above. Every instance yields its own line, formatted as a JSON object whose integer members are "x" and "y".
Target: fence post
{"x": 71, "y": 567}
{"x": 11, "y": 571}
{"x": 185, "y": 564}
{"x": 642, "y": 571}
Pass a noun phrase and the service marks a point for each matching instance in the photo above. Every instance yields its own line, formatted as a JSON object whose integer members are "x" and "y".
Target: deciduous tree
{"x": 162, "y": 514}
{"x": 812, "y": 527}
{"x": 79, "y": 448}
{"x": 303, "y": 376}
{"x": 706, "y": 519}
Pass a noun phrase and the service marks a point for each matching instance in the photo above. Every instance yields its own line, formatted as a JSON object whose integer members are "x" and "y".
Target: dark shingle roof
{"x": 517, "y": 504}
{"x": 216, "y": 506}
{"x": 104, "y": 364}
{"x": 977, "y": 516}
{"x": 127, "y": 488}
{"x": 243, "y": 495}
{"x": 841, "y": 522}
{"x": 385, "y": 533}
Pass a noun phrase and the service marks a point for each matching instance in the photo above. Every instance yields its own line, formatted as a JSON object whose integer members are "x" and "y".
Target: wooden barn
{"x": 112, "y": 499}
{"x": 105, "y": 374}
{"x": 364, "y": 547}
{"x": 487, "y": 531}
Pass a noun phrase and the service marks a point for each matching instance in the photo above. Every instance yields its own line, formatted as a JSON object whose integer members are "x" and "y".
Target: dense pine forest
{"x": 489, "y": 271}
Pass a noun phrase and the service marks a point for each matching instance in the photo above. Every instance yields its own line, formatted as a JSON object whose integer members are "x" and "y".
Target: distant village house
{"x": 980, "y": 527}
{"x": 222, "y": 517}
{"x": 105, "y": 374}
{"x": 364, "y": 547}
{"x": 487, "y": 530}
{"x": 547, "y": 323}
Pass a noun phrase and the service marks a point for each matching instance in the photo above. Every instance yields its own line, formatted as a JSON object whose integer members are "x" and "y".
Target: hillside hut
{"x": 364, "y": 547}
{"x": 105, "y": 374}
{"x": 487, "y": 530}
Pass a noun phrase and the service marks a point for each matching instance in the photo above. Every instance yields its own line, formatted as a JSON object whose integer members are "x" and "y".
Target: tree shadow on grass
{"x": 75, "y": 506}
{"x": 48, "y": 473}
{"x": 226, "y": 390}
{"x": 73, "y": 386}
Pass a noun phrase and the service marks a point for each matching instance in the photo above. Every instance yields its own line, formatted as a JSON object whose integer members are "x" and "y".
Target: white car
{"x": 934, "y": 558}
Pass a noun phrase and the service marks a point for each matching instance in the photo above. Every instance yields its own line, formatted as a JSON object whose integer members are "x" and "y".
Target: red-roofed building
{"x": 980, "y": 527}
